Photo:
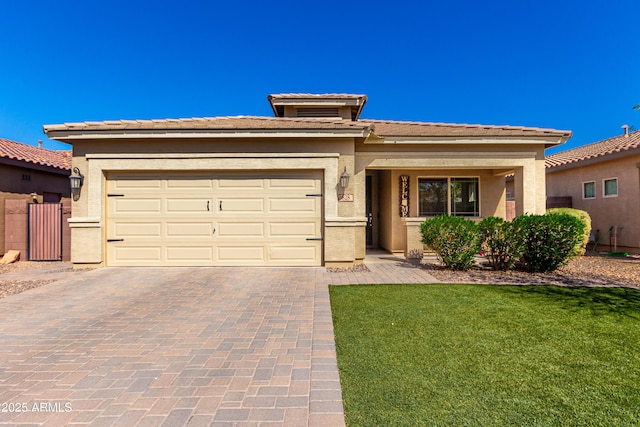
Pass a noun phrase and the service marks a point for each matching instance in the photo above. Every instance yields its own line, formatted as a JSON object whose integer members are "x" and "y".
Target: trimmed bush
{"x": 550, "y": 239}
{"x": 454, "y": 239}
{"x": 581, "y": 247}
{"x": 503, "y": 243}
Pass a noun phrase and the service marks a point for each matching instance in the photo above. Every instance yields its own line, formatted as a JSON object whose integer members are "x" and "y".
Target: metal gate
{"x": 44, "y": 232}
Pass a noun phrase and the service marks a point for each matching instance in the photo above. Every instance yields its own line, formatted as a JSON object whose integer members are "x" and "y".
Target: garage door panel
{"x": 188, "y": 205}
{"x": 136, "y": 229}
{"x": 292, "y": 183}
{"x": 136, "y": 254}
{"x": 293, "y": 205}
{"x": 190, "y": 183}
{"x": 189, "y": 229}
{"x": 135, "y": 182}
{"x": 240, "y": 254}
{"x": 302, "y": 253}
{"x": 241, "y": 184}
{"x": 196, "y": 219}
{"x": 136, "y": 206}
{"x": 189, "y": 253}
{"x": 239, "y": 206}
{"x": 241, "y": 229}
{"x": 294, "y": 229}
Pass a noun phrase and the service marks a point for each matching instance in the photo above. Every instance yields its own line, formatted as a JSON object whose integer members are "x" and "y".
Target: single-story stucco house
{"x": 602, "y": 178}
{"x": 315, "y": 185}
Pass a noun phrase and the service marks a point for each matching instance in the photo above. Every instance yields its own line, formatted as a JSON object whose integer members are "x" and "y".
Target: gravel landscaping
{"x": 588, "y": 270}
{"x": 10, "y": 286}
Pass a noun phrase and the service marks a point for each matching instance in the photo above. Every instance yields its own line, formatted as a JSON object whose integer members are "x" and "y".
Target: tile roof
{"x": 388, "y": 128}
{"x": 60, "y": 159}
{"x": 327, "y": 96}
{"x": 215, "y": 123}
{"x": 382, "y": 128}
{"x": 597, "y": 149}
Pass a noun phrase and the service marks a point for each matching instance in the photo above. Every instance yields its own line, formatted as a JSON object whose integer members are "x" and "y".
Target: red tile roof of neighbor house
{"x": 597, "y": 149}
{"x": 382, "y": 128}
{"x": 60, "y": 159}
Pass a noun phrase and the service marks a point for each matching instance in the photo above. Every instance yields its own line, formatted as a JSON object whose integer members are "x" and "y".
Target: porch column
{"x": 529, "y": 189}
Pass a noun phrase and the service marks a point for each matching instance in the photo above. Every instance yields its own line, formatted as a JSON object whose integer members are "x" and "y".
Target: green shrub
{"x": 503, "y": 242}
{"x": 580, "y": 248}
{"x": 550, "y": 239}
{"x": 454, "y": 239}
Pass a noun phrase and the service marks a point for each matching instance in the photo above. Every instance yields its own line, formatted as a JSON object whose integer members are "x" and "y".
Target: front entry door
{"x": 369, "y": 209}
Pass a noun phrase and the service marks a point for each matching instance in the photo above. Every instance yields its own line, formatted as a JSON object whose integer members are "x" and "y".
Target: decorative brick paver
{"x": 178, "y": 346}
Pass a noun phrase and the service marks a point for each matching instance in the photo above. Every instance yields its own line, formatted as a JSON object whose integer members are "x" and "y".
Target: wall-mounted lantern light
{"x": 76, "y": 179}
{"x": 344, "y": 179}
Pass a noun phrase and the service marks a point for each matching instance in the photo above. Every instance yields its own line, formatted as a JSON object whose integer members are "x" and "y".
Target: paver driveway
{"x": 176, "y": 346}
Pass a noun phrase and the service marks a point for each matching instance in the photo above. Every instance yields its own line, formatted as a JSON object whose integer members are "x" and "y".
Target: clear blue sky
{"x": 563, "y": 64}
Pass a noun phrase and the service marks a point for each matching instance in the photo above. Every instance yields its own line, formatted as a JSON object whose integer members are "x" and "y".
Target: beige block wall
{"x": 610, "y": 211}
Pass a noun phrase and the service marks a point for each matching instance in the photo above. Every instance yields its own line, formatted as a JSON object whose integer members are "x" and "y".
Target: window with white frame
{"x": 610, "y": 187}
{"x": 589, "y": 190}
{"x": 454, "y": 196}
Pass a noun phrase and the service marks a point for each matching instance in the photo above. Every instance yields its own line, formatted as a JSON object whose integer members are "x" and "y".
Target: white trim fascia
{"x": 436, "y": 140}
{"x": 212, "y": 155}
{"x": 71, "y": 135}
{"x": 307, "y": 102}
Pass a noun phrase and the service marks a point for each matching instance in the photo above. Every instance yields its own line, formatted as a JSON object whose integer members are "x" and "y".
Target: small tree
{"x": 454, "y": 239}
{"x": 503, "y": 243}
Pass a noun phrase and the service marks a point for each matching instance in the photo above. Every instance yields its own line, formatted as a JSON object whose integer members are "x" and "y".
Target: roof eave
{"x": 34, "y": 166}
{"x": 66, "y": 135}
{"x": 548, "y": 141}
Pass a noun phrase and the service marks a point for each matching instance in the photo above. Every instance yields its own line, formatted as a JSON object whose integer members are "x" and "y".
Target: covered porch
{"x": 398, "y": 199}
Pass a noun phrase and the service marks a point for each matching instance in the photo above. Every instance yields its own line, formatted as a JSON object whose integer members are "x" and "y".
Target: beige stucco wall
{"x": 343, "y": 241}
{"x": 488, "y": 162}
{"x": 392, "y": 228}
{"x": 344, "y": 221}
{"x": 605, "y": 211}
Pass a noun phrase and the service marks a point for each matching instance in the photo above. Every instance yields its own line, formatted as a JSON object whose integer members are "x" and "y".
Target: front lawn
{"x": 471, "y": 355}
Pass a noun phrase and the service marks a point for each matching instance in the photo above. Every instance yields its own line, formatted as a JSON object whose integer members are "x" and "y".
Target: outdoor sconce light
{"x": 76, "y": 179}
{"x": 344, "y": 179}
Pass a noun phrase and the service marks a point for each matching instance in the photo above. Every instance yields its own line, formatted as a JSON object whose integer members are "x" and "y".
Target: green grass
{"x": 470, "y": 355}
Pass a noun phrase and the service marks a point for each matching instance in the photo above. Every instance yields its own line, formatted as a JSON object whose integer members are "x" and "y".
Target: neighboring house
{"x": 31, "y": 173}
{"x": 251, "y": 191}
{"x": 603, "y": 179}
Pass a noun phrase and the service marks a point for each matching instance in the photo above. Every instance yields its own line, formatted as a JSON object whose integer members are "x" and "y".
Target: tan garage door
{"x": 214, "y": 219}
